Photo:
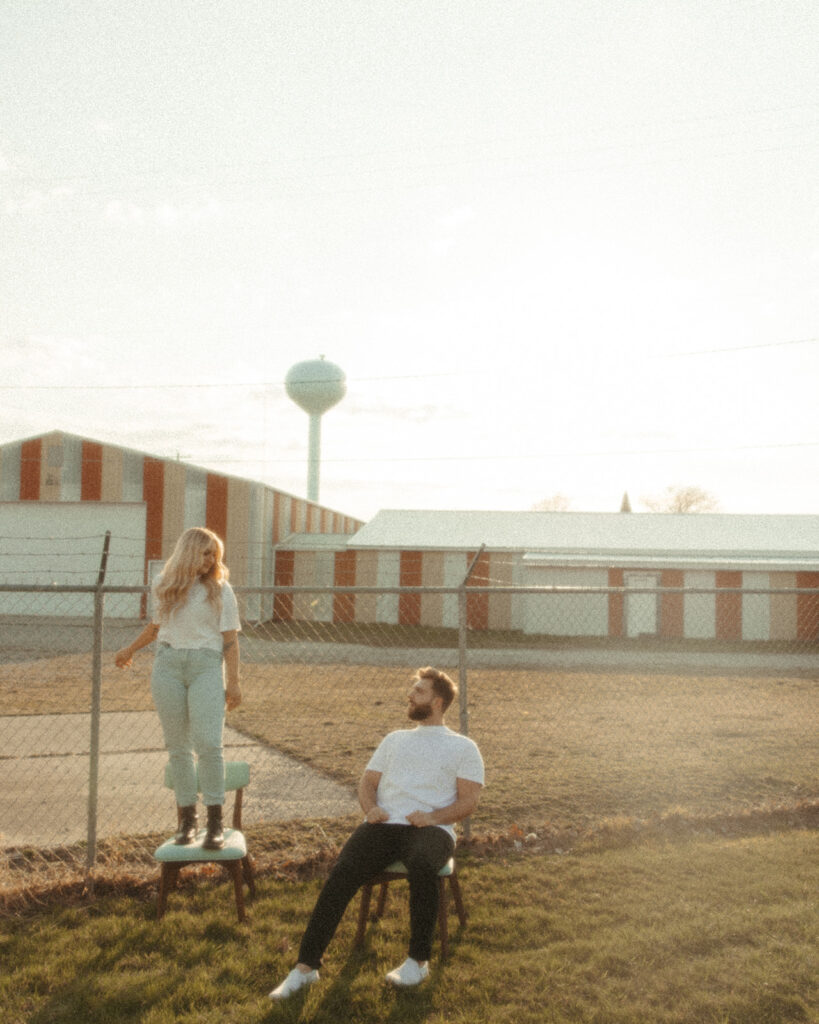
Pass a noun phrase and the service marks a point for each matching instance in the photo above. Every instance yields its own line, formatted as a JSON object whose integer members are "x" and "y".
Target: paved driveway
{"x": 45, "y": 765}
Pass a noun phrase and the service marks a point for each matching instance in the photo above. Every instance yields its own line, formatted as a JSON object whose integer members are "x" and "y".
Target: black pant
{"x": 368, "y": 851}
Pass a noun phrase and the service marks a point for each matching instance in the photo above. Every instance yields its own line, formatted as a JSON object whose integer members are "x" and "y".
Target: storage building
{"x": 703, "y": 576}
{"x": 62, "y": 471}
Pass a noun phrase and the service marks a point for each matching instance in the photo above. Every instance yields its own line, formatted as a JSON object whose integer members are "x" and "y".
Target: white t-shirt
{"x": 419, "y": 768}
{"x": 197, "y": 624}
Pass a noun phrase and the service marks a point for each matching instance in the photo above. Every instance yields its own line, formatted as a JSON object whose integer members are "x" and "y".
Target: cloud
{"x": 123, "y": 212}
{"x": 405, "y": 412}
{"x": 448, "y": 228}
{"x": 50, "y": 360}
{"x": 166, "y": 214}
{"x": 39, "y": 201}
{"x": 457, "y": 218}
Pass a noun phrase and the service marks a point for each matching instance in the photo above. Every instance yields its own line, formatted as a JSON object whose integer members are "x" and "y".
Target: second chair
{"x": 397, "y": 871}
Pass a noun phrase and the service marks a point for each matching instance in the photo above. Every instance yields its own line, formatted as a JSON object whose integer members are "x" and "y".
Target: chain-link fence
{"x": 579, "y": 731}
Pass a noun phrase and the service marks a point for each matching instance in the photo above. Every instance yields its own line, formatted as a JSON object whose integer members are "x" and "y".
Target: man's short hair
{"x": 442, "y": 685}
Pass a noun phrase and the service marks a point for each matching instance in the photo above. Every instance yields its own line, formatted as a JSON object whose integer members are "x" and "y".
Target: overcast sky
{"x": 557, "y": 246}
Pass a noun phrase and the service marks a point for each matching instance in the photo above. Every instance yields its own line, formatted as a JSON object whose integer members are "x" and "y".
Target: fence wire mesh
{"x": 578, "y": 730}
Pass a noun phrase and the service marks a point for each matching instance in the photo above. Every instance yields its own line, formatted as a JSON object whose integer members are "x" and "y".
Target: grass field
{"x": 699, "y": 931}
{"x": 646, "y": 852}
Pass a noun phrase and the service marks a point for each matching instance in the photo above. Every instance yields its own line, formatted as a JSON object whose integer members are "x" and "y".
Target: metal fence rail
{"x": 576, "y": 728}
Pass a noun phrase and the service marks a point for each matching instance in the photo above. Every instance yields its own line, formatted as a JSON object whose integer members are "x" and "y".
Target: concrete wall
{"x": 699, "y": 610}
{"x": 756, "y": 608}
{"x": 47, "y": 543}
{"x": 566, "y": 615}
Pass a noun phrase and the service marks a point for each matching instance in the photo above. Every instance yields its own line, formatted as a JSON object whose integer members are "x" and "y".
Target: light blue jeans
{"x": 189, "y": 693}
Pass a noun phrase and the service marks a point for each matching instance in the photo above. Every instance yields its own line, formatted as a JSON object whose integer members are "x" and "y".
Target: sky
{"x": 558, "y": 247}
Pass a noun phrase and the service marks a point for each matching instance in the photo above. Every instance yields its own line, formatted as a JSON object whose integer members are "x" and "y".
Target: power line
{"x": 503, "y": 457}
{"x": 740, "y": 348}
{"x": 257, "y": 171}
{"x": 446, "y": 374}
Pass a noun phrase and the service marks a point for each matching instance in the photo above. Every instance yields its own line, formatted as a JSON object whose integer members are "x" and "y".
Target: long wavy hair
{"x": 181, "y": 571}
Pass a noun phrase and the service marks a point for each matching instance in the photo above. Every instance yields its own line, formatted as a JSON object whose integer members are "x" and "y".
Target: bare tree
{"x": 682, "y": 498}
{"x": 556, "y": 503}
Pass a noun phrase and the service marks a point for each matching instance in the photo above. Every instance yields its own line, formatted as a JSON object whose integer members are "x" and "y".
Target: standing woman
{"x": 195, "y": 618}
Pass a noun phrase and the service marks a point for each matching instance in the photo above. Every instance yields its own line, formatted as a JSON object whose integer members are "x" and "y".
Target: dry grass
{"x": 568, "y": 747}
{"x": 62, "y": 685}
{"x": 563, "y": 748}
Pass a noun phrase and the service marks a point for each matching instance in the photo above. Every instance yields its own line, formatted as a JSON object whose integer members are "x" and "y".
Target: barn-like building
{"x": 67, "y": 476}
{"x": 703, "y": 576}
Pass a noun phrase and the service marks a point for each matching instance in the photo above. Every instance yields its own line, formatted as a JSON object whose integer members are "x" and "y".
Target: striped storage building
{"x": 725, "y": 577}
{"x": 59, "y": 468}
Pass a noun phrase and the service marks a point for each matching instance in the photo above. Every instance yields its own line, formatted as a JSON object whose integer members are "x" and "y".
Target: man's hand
{"x": 375, "y": 815}
{"x": 468, "y": 796}
{"x": 420, "y": 819}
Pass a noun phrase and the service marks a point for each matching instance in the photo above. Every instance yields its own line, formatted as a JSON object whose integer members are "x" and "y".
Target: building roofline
{"x": 177, "y": 461}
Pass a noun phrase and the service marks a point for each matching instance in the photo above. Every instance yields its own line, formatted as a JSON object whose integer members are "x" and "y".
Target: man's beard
{"x": 419, "y": 712}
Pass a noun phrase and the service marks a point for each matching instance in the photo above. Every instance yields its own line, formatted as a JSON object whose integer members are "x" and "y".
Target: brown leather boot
{"x": 188, "y": 822}
{"x": 215, "y": 838}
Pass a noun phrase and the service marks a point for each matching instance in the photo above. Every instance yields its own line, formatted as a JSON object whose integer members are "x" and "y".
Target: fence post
{"x": 96, "y": 706}
{"x": 462, "y": 672}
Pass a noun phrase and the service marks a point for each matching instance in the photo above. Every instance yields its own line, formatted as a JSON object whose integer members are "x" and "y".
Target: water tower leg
{"x": 314, "y": 458}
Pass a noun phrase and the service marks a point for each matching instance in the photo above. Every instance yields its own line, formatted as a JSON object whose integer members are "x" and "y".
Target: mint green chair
{"x": 395, "y": 872}
{"x": 234, "y": 857}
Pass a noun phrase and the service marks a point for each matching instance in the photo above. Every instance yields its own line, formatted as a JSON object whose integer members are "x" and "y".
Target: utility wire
{"x": 381, "y": 378}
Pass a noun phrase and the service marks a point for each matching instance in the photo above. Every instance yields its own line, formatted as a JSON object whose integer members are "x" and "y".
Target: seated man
{"x": 417, "y": 784}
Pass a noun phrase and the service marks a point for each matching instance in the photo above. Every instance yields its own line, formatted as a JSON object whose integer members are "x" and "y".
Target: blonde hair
{"x": 181, "y": 571}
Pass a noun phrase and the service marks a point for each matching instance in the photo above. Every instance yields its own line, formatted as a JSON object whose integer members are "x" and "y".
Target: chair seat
{"x": 235, "y": 848}
{"x": 398, "y": 867}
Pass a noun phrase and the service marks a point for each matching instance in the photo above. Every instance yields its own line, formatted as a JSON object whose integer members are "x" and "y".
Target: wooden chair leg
{"x": 363, "y": 914}
{"x": 234, "y": 869}
{"x": 457, "y": 896}
{"x": 167, "y": 880}
{"x": 443, "y": 924}
{"x": 247, "y": 871}
{"x": 444, "y": 892}
{"x": 382, "y": 900}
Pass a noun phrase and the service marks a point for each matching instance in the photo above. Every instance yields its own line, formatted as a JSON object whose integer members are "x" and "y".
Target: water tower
{"x": 315, "y": 386}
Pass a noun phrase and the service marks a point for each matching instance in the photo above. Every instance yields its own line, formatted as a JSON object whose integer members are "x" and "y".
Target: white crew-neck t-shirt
{"x": 419, "y": 768}
{"x": 196, "y": 624}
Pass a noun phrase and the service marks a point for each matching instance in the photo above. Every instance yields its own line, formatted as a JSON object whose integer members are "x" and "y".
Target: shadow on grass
{"x": 357, "y": 984}
{"x": 111, "y": 987}
{"x": 401, "y": 1006}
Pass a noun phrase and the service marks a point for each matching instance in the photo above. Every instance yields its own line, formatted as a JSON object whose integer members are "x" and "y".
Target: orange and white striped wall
{"x": 251, "y": 517}
{"x": 720, "y": 611}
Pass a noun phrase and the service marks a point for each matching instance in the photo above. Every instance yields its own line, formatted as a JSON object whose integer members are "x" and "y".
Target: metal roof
{"x": 314, "y": 542}
{"x": 588, "y": 537}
